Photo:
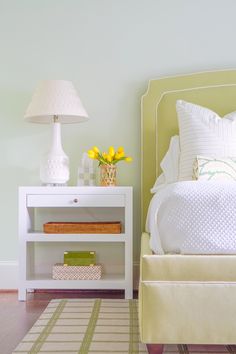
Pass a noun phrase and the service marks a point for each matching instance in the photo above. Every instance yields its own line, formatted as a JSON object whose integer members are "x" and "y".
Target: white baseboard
{"x": 8, "y": 275}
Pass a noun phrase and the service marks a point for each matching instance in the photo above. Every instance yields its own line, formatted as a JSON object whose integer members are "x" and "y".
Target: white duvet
{"x": 194, "y": 217}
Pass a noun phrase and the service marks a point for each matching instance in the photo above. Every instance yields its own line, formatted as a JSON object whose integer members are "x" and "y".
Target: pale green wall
{"x": 109, "y": 49}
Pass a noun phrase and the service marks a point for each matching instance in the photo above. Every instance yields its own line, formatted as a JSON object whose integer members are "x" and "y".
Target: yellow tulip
{"x": 92, "y": 154}
{"x": 111, "y": 151}
{"x": 117, "y": 156}
{"x": 109, "y": 158}
{"x": 120, "y": 149}
{"x": 121, "y": 154}
{"x": 96, "y": 149}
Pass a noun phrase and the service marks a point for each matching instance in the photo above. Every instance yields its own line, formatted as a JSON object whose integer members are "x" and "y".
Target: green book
{"x": 79, "y": 258}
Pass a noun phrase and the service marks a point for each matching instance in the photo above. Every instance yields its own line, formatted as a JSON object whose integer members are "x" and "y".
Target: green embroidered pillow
{"x": 210, "y": 168}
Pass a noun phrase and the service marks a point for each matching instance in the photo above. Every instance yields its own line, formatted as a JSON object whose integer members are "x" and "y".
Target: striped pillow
{"x": 203, "y": 132}
{"x": 210, "y": 168}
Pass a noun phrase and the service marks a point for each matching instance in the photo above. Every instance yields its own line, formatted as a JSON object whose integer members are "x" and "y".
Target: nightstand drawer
{"x": 75, "y": 200}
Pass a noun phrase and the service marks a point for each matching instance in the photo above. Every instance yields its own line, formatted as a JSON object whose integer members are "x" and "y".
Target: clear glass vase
{"x": 108, "y": 175}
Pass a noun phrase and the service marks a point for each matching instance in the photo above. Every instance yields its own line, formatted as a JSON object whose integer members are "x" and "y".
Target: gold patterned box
{"x": 62, "y": 272}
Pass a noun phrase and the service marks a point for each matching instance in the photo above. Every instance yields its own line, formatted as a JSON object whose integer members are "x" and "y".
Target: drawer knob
{"x": 75, "y": 200}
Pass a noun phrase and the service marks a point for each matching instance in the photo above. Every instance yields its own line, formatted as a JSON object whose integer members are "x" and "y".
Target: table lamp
{"x": 55, "y": 102}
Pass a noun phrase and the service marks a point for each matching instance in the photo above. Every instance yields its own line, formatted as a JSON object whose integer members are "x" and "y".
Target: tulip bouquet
{"x": 111, "y": 157}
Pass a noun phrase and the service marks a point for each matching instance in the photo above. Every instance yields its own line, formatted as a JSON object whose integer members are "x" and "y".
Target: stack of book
{"x": 78, "y": 265}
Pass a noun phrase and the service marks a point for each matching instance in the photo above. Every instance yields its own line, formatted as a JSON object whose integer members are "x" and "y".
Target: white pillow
{"x": 169, "y": 165}
{"x": 203, "y": 132}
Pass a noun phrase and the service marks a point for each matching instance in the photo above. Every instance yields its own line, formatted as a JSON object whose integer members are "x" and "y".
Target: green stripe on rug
{"x": 48, "y": 328}
{"x": 231, "y": 349}
{"x": 90, "y": 329}
{"x": 133, "y": 329}
{"x": 183, "y": 349}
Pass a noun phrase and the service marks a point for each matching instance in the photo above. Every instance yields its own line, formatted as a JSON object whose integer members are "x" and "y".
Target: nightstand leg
{"x": 128, "y": 293}
{"x": 22, "y": 294}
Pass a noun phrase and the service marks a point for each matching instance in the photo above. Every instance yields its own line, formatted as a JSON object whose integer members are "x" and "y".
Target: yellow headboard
{"x": 215, "y": 90}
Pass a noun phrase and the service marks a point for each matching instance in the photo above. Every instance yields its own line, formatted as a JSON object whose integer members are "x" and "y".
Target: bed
{"x": 183, "y": 299}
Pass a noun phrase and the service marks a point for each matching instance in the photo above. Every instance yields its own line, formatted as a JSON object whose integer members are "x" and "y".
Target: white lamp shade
{"x": 56, "y": 98}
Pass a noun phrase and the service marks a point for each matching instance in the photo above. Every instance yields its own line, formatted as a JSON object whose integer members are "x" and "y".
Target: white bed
{"x": 193, "y": 217}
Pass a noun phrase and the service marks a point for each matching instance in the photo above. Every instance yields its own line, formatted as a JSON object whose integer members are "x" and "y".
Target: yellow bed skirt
{"x": 187, "y": 299}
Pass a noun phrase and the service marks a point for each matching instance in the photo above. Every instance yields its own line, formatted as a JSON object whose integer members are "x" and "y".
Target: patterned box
{"x": 62, "y": 272}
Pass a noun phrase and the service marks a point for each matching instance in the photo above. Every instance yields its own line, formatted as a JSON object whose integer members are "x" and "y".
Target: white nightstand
{"x": 39, "y": 251}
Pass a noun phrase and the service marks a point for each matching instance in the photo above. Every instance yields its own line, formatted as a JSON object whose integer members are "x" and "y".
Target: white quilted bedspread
{"x": 194, "y": 217}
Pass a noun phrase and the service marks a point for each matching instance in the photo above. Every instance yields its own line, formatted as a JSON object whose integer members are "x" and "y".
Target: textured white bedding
{"x": 193, "y": 217}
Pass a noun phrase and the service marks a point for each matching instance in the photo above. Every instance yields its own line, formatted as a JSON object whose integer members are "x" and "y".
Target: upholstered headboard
{"x": 215, "y": 90}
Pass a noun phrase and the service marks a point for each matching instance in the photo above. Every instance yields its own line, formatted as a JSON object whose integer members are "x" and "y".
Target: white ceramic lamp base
{"x": 54, "y": 167}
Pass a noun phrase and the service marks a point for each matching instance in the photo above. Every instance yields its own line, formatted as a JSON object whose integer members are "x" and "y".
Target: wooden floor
{"x": 16, "y": 318}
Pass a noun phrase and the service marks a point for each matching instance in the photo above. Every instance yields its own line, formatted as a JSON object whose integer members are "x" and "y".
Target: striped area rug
{"x": 95, "y": 326}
